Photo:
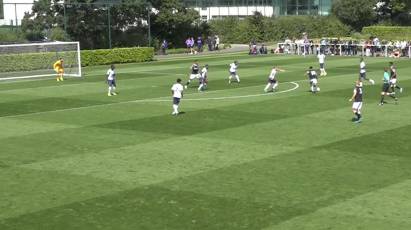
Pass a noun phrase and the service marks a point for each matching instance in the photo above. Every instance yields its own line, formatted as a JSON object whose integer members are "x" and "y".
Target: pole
{"x": 149, "y": 25}
{"x": 109, "y": 27}
{"x": 64, "y": 20}
{"x": 15, "y": 14}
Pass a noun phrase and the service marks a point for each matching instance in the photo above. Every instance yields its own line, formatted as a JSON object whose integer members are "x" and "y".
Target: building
{"x": 12, "y": 11}
{"x": 212, "y": 9}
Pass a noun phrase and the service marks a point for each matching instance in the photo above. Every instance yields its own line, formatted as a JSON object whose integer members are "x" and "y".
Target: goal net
{"x": 34, "y": 60}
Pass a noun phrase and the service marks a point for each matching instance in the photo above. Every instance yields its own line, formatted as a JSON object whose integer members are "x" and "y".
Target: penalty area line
{"x": 296, "y": 86}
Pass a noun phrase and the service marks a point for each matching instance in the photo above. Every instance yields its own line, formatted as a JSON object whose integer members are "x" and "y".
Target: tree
{"x": 174, "y": 22}
{"x": 37, "y": 24}
{"x": 355, "y": 13}
{"x": 394, "y": 11}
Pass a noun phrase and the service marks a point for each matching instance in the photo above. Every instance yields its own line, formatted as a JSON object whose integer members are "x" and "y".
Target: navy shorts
{"x": 385, "y": 87}
{"x": 322, "y": 65}
{"x": 111, "y": 83}
{"x": 272, "y": 81}
{"x": 363, "y": 76}
{"x": 176, "y": 100}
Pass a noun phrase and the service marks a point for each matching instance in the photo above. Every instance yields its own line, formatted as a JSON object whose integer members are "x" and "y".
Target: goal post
{"x": 35, "y": 60}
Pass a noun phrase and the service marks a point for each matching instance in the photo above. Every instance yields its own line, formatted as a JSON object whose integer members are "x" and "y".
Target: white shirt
{"x": 204, "y": 72}
{"x": 177, "y": 89}
{"x": 362, "y": 67}
{"x": 233, "y": 68}
{"x": 272, "y": 74}
{"x": 111, "y": 75}
{"x": 321, "y": 58}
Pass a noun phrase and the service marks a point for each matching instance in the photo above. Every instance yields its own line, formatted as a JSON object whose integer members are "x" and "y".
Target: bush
{"x": 389, "y": 32}
{"x": 7, "y": 35}
{"x": 38, "y": 61}
{"x": 117, "y": 55}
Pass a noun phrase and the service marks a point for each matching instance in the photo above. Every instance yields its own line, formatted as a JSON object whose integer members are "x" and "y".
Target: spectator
{"x": 217, "y": 42}
{"x": 199, "y": 45}
{"x": 263, "y": 49}
{"x": 164, "y": 47}
{"x": 209, "y": 42}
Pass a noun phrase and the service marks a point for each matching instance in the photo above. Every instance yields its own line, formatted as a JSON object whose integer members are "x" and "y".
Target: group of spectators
{"x": 195, "y": 46}
{"x": 255, "y": 50}
{"x": 372, "y": 47}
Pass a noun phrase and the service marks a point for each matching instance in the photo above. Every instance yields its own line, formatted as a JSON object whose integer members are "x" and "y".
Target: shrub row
{"x": 38, "y": 61}
{"x": 117, "y": 55}
{"x": 389, "y": 32}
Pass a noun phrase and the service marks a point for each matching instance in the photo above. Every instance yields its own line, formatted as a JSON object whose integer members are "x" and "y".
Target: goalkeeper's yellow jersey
{"x": 58, "y": 65}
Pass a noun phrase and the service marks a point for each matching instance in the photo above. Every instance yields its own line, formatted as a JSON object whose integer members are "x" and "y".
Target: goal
{"x": 35, "y": 60}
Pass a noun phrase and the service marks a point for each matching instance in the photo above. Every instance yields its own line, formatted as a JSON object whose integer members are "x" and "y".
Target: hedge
{"x": 389, "y": 32}
{"x": 38, "y": 61}
{"x": 117, "y": 55}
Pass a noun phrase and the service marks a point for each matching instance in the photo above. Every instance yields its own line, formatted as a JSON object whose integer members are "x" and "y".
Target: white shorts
{"x": 393, "y": 81}
{"x": 314, "y": 81}
{"x": 357, "y": 106}
{"x": 194, "y": 76}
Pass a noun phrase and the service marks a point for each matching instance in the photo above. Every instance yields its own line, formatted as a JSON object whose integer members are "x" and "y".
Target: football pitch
{"x": 237, "y": 158}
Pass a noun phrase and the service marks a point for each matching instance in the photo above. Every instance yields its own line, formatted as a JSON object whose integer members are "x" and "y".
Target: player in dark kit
{"x": 195, "y": 73}
{"x": 357, "y": 101}
{"x": 313, "y": 77}
{"x": 386, "y": 87}
{"x": 393, "y": 79}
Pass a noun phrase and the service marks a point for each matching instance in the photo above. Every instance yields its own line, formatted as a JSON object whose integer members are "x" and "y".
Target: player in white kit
{"x": 321, "y": 60}
{"x": 272, "y": 80}
{"x": 111, "y": 81}
{"x": 203, "y": 79}
{"x": 233, "y": 72}
{"x": 363, "y": 73}
{"x": 177, "y": 93}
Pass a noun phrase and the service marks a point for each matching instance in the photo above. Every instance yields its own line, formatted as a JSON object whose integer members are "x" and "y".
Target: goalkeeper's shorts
{"x": 59, "y": 70}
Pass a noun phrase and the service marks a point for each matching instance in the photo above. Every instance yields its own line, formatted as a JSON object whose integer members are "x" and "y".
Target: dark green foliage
{"x": 9, "y": 35}
{"x": 118, "y": 55}
{"x": 262, "y": 29}
{"x": 355, "y": 13}
{"x": 37, "y": 61}
{"x": 389, "y": 32}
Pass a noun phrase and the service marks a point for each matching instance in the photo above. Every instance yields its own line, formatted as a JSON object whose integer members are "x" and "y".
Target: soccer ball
{"x": 318, "y": 89}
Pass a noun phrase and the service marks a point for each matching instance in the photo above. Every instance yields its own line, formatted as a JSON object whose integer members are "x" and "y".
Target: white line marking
{"x": 296, "y": 86}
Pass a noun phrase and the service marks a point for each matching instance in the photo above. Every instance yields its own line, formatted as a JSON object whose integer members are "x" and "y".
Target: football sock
{"x": 175, "y": 107}
{"x": 382, "y": 99}
{"x": 267, "y": 87}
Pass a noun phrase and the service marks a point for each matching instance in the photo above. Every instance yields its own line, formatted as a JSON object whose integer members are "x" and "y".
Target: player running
{"x": 313, "y": 77}
{"x": 393, "y": 79}
{"x": 111, "y": 81}
{"x": 203, "y": 79}
{"x": 177, "y": 93}
{"x": 357, "y": 104}
{"x": 363, "y": 73}
{"x": 321, "y": 60}
{"x": 59, "y": 68}
{"x": 233, "y": 72}
{"x": 195, "y": 73}
{"x": 272, "y": 80}
{"x": 386, "y": 87}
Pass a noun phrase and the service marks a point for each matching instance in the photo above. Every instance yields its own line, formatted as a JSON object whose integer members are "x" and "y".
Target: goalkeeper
{"x": 58, "y": 67}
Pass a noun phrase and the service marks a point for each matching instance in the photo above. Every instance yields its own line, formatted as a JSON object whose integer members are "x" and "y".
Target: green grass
{"x": 73, "y": 158}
